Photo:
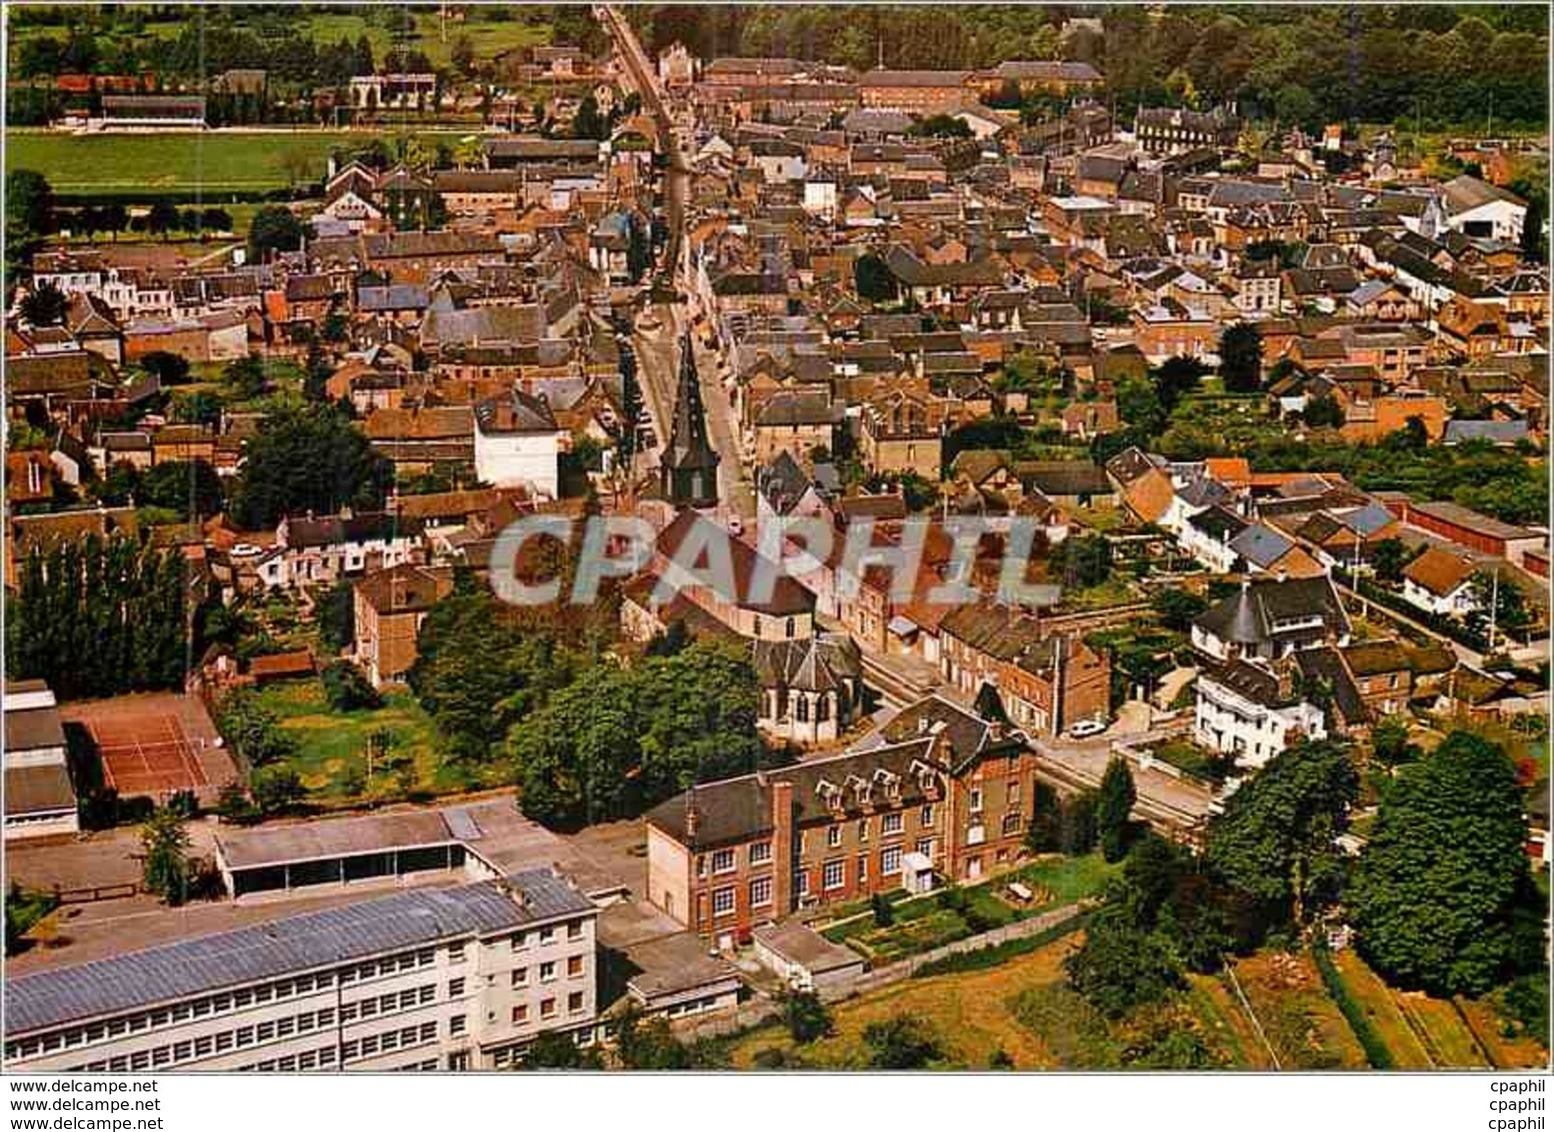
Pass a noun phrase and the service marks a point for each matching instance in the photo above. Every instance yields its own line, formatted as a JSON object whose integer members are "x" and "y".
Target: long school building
{"x": 455, "y": 978}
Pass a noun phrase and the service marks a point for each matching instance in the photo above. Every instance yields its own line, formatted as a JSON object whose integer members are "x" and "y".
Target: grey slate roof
{"x": 1261, "y": 545}
{"x": 208, "y": 963}
{"x": 1253, "y": 613}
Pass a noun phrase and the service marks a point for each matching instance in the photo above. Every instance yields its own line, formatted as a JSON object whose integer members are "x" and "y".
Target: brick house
{"x": 1047, "y": 683}
{"x": 389, "y": 608}
{"x": 946, "y": 791}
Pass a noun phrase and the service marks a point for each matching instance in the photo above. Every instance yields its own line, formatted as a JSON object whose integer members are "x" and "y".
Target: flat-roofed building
{"x": 39, "y": 797}
{"x": 451, "y": 978}
{"x": 345, "y": 851}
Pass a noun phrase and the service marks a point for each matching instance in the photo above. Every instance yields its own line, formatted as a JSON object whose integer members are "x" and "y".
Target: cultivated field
{"x": 973, "y": 1016}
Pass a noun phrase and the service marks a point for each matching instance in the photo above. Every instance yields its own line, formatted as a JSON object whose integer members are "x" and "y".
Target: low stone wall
{"x": 906, "y": 968}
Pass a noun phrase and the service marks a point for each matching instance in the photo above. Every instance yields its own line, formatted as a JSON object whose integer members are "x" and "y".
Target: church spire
{"x": 690, "y": 463}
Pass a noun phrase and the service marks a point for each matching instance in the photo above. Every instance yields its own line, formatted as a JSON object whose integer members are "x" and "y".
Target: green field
{"x": 489, "y": 38}
{"x": 946, "y": 916}
{"x": 331, "y": 746}
{"x": 221, "y": 162}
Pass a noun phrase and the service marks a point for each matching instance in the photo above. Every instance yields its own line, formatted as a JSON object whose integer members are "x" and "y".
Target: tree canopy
{"x": 1443, "y": 898}
{"x": 308, "y": 458}
{"x": 1276, "y": 840}
{"x": 622, "y": 738}
{"x": 275, "y": 228}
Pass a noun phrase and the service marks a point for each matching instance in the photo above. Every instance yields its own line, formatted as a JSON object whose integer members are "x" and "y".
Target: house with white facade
{"x": 1271, "y": 618}
{"x": 518, "y": 443}
{"x": 1477, "y": 208}
{"x": 1253, "y": 711}
{"x": 312, "y": 551}
{"x": 1440, "y": 581}
{"x": 1208, "y": 537}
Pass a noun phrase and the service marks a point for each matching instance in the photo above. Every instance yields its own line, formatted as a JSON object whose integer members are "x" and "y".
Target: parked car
{"x": 1085, "y": 728}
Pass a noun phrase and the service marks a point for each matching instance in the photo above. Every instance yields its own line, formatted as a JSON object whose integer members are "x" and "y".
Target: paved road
{"x": 657, "y": 350}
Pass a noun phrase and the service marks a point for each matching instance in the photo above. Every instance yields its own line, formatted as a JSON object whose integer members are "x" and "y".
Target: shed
{"x": 804, "y": 958}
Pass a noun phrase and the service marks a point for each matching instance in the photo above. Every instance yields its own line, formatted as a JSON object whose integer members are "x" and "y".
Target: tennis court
{"x": 155, "y": 745}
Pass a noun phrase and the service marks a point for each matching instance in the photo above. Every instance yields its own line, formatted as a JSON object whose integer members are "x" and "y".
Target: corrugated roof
{"x": 205, "y": 964}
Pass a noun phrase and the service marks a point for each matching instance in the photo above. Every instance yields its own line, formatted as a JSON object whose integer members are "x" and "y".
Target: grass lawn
{"x": 972, "y": 1016}
{"x": 1068, "y": 879}
{"x": 332, "y": 745}
{"x": 1506, "y": 1051}
{"x": 1113, "y": 591}
{"x": 1189, "y": 758}
{"x": 932, "y": 921}
{"x": 489, "y": 38}
{"x": 1227, "y": 1022}
{"x": 220, "y": 162}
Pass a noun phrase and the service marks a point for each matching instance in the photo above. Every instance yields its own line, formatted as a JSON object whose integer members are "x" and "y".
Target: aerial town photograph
{"x": 776, "y": 537}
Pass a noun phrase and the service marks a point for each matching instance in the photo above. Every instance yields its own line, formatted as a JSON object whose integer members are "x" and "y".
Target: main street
{"x": 657, "y": 348}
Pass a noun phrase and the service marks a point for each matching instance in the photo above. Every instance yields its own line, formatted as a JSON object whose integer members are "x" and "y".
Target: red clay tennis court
{"x": 154, "y": 745}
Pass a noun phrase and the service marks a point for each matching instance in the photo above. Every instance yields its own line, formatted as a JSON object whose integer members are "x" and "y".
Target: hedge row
{"x": 1376, "y": 1051}
{"x": 205, "y": 198}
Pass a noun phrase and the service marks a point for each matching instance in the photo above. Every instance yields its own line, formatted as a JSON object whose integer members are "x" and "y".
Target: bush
{"x": 884, "y": 914}
{"x": 805, "y": 1016}
{"x": 900, "y": 1043}
{"x": 183, "y": 803}
{"x": 347, "y": 688}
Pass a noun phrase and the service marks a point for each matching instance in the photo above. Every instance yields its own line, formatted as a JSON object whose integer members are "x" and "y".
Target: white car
{"x": 1086, "y": 728}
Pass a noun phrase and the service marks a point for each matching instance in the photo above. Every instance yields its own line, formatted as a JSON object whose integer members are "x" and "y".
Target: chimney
{"x": 782, "y": 847}
{"x": 692, "y": 815}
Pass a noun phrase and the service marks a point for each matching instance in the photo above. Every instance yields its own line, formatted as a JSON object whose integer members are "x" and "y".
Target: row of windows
{"x": 547, "y": 1008}
{"x": 224, "y": 1003}
{"x": 374, "y": 1044}
{"x": 547, "y": 971}
{"x": 890, "y": 825}
{"x": 207, "y": 1045}
{"x": 833, "y": 876}
{"x": 321, "y": 1058}
{"x": 504, "y": 1057}
{"x": 725, "y": 860}
{"x": 309, "y": 1021}
{"x": 520, "y": 940}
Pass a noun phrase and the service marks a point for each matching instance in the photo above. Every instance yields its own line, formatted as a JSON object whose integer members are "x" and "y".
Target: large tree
{"x": 166, "y": 870}
{"x": 1241, "y": 358}
{"x": 45, "y": 306}
{"x": 1443, "y": 898}
{"x": 311, "y": 458}
{"x": 874, "y": 279}
{"x": 1277, "y": 839}
{"x": 99, "y": 616}
{"x": 275, "y": 228}
{"x": 1114, "y": 807}
{"x": 620, "y": 739}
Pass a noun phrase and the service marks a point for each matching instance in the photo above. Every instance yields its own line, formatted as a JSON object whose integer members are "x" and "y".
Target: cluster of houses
{"x": 857, "y": 298}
